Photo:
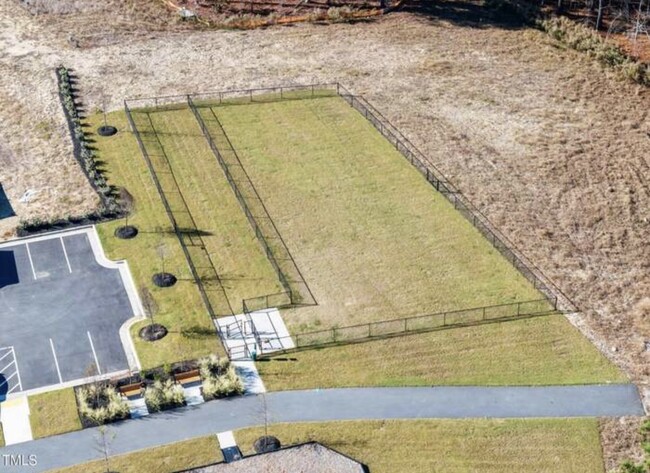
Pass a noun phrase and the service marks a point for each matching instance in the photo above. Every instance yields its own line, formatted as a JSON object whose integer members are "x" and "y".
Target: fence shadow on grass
{"x": 282, "y": 355}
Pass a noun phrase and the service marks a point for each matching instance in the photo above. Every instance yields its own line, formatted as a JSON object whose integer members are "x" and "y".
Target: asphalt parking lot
{"x": 61, "y": 308}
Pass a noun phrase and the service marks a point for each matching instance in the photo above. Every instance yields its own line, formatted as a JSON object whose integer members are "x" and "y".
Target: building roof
{"x": 305, "y": 458}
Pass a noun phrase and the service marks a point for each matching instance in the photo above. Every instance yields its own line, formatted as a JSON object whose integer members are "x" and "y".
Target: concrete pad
{"x": 226, "y": 439}
{"x": 259, "y": 332}
{"x": 247, "y": 371}
{"x": 14, "y": 416}
{"x": 137, "y": 408}
{"x": 193, "y": 396}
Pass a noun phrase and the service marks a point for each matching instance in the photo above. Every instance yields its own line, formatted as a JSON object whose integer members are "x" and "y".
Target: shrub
{"x": 581, "y": 38}
{"x": 163, "y": 395}
{"x": 219, "y": 378}
{"x": 101, "y": 404}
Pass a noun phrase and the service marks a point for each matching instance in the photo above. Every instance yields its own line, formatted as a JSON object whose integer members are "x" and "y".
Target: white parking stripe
{"x": 99, "y": 370}
{"x": 20, "y": 381}
{"x": 56, "y": 361}
{"x": 4, "y": 369}
{"x": 15, "y": 373}
{"x": 5, "y": 356}
{"x": 6, "y": 381}
{"x": 31, "y": 263}
{"x": 65, "y": 252}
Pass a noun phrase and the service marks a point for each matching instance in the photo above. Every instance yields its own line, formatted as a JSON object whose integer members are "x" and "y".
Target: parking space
{"x": 61, "y": 308}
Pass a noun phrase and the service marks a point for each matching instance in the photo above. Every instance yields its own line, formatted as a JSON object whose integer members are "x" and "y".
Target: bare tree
{"x": 127, "y": 202}
{"x": 161, "y": 251}
{"x": 148, "y": 303}
{"x": 104, "y": 440}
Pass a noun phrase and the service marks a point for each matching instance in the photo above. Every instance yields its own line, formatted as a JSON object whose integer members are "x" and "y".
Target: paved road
{"x": 325, "y": 405}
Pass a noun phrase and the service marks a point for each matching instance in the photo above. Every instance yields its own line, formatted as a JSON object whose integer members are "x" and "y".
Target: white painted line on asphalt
{"x": 56, "y": 361}
{"x": 31, "y": 263}
{"x": 4, "y": 368}
{"x": 65, "y": 253}
{"x": 6, "y": 381}
{"x": 99, "y": 370}
{"x": 5, "y": 356}
{"x": 20, "y": 381}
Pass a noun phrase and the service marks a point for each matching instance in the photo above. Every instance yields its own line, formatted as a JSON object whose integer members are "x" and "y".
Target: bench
{"x": 131, "y": 390}
{"x": 188, "y": 377}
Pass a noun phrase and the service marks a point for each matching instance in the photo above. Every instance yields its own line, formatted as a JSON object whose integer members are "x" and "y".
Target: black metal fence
{"x": 421, "y": 323}
{"x": 277, "y": 300}
{"x": 432, "y": 174}
{"x": 296, "y": 288}
{"x": 170, "y": 214}
{"x": 460, "y": 202}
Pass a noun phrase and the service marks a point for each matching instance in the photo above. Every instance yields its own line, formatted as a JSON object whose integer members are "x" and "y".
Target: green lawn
{"x": 372, "y": 237}
{"x": 374, "y": 240}
{"x": 559, "y": 446}
{"x": 179, "y": 308}
{"x": 539, "y": 351}
{"x": 165, "y": 459}
{"x": 241, "y": 265}
{"x": 53, "y": 413}
{"x": 418, "y": 446}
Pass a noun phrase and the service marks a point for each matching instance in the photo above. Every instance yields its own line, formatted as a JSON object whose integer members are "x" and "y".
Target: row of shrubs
{"x": 582, "y": 38}
{"x": 101, "y": 403}
{"x": 82, "y": 149}
{"x": 109, "y": 207}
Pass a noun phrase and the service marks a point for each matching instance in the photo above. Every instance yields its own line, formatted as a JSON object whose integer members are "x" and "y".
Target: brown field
{"x": 551, "y": 147}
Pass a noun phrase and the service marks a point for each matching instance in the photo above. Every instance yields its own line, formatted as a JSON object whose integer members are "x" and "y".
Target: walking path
{"x": 328, "y": 405}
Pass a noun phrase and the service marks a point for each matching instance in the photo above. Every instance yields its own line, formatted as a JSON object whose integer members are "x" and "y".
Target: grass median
{"x": 53, "y": 413}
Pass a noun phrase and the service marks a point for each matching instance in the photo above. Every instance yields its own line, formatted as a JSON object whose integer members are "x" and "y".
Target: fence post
{"x": 483, "y": 313}
{"x": 369, "y": 329}
{"x": 406, "y": 325}
{"x": 518, "y": 308}
{"x": 444, "y": 319}
{"x": 281, "y": 90}
{"x": 312, "y": 91}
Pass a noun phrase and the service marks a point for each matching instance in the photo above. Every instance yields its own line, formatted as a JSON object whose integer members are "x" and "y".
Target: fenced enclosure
{"x": 421, "y": 323}
{"x": 274, "y": 246}
{"x": 202, "y": 103}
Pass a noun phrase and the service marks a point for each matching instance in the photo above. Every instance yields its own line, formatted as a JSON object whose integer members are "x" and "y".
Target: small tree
{"x": 104, "y": 440}
{"x": 127, "y": 202}
{"x": 161, "y": 251}
{"x": 148, "y": 303}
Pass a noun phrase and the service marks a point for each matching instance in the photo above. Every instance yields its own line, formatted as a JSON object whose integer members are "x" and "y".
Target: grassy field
{"x": 559, "y": 446}
{"x": 165, "y": 459}
{"x": 539, "y": 351}
{"x": 419, "y": 446}
{"x": 179, "y": 308}
{"x": 372, "y": 237}
{"x": 2, "y": 437}
{"x": 53, "y": 413}
{"x": 175, "y": 143}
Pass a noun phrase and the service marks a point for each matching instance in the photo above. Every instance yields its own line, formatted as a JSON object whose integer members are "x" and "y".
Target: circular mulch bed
{"x": 106, "y": 130}
{"x": 266, "y": 444}
{"x": 153, "y": 332}
{"x": 164, "y": 279}
{"x": 126, "y": 232}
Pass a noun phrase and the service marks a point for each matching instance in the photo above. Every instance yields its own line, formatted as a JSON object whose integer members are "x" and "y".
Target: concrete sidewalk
{"x": 327, "y": 405}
